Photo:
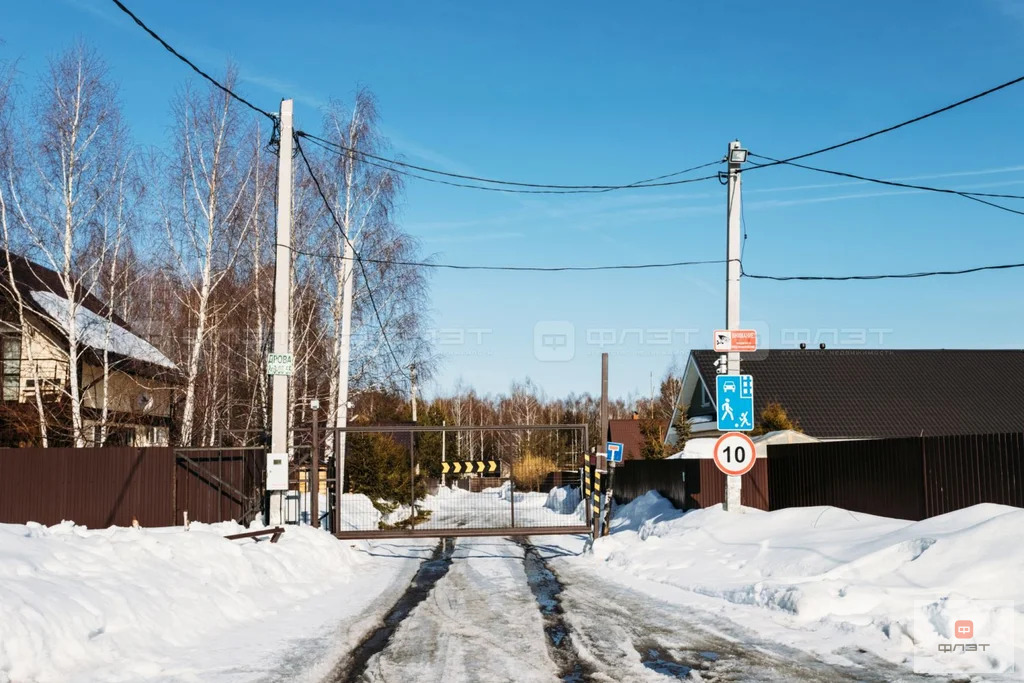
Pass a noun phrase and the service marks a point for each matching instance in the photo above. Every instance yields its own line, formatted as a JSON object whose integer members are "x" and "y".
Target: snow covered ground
{"x": 800, "y": 594}
{"x": 829, "y": 581}
{"x": 124, "y": 604}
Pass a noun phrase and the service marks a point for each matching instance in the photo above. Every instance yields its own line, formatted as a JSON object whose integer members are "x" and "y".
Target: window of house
{"x": 705, "y": 397}
{"x": 10, "y": 358}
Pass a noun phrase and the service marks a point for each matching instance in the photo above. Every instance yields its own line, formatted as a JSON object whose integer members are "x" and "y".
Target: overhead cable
{"x": 228, "y": 91}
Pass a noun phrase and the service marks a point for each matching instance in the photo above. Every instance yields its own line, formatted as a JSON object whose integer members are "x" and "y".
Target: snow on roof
{"x": 92, "y": 331}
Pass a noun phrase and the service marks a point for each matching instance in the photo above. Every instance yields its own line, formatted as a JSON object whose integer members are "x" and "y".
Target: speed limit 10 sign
{"x": 735, "y": 453}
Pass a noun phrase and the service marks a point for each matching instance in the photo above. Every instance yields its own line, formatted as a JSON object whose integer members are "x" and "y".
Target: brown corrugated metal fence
{"x": 99, "y": 487}
{"x": 687, "y": 483}
{"x": 908, "y": 478}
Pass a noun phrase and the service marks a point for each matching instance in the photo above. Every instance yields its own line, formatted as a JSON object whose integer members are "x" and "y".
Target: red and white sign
{"x": 735, "y": 453}
{"x": 741, "y": 341}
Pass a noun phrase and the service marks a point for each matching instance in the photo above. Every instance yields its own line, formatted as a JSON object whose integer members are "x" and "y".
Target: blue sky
{"x": 599, "y": 92}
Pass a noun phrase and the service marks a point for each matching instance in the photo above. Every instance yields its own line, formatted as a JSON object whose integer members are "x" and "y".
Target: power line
{"x": 891, "y": 276}
{"x": 974, "y": 196}
{"x": 532, "y": 269}
{"x": 908, "y": 122}
{"x": 537, "y": 188}
{"x": 195, "y": 68}
{"x": 893, "y": 183}
{"x": 359, "y": 259}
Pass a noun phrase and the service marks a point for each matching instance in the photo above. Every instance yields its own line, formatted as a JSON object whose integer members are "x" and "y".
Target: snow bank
{"x": 696, "y": 448}
{"x": 564, "y": 500}
{"x": 92, "y": 330}
{"x": 505, "y": 492}
{"x": 826, "y": 565}
{"x": 74, "y": 600}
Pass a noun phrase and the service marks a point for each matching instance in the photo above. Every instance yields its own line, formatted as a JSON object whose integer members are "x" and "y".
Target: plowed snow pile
{"x": 827, "y": 566}
{"x": 117, "y": 602}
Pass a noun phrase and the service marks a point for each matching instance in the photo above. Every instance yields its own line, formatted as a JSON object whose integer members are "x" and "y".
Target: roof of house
{"x": 41, "y": 290}
{"x": 627, "y": 432}
{"x": 837, "y": 393}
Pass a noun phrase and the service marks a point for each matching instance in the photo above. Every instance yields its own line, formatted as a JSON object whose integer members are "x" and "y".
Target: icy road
{"x": 506, "y": 610}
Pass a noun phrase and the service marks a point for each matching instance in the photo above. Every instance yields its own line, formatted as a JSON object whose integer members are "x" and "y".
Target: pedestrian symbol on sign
{"x": 735, "y": 398}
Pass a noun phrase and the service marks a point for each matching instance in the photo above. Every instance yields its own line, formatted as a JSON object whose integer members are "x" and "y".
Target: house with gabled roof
{"x": 628, "y": 432}
{"x": 836, "y": 394}
{"x": 34, "y": 361}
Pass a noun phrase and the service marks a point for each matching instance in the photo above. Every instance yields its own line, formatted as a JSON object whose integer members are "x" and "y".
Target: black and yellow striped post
{"x": 593, "y": 488}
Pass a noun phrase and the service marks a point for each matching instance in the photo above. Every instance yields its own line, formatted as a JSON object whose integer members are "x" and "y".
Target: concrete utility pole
{"x": 734, "y": 243}
{"x": 344, "y": 354}
{"x": 277, "y": 459}
{"x": 412, "y": 383}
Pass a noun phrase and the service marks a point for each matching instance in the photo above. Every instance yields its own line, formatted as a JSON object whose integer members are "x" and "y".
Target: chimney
{"x": 636, "y": 415}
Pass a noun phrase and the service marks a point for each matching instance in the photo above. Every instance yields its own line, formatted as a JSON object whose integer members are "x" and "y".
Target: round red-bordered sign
{"x": 735, "y": 453}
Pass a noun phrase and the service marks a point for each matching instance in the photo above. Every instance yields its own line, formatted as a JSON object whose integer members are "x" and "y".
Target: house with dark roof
{"x": 35, "y": 363}
{"x": 627, "y": 432}
{"x": 838, "y": 394}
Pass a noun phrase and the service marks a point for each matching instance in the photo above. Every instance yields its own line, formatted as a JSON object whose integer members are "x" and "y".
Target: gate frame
{"x": 413, "y": 429}
{"x": 252, "y": 504}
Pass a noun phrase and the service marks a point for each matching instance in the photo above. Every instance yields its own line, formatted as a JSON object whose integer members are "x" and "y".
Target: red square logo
{"x": 963, "y": 628}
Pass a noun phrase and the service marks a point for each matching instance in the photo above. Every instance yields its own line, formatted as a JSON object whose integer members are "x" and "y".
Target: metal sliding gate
{"x": 407, "y": 480}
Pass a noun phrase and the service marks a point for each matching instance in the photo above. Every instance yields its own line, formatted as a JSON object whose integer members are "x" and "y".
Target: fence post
{"x": 512, "y": 491}
{"x": 174, "y": 487}
{"x": 412, "y": 477}
{"x": 314, "y": 466}
{"x": 924, "y": 480}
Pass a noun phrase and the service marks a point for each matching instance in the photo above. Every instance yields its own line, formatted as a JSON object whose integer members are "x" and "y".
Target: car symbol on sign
{"x": 729, "y": 386}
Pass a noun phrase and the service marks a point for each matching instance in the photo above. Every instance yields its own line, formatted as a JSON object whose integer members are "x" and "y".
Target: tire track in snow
{"x": 479, "y": 622}
{"x": 430, "y": 572}
{"x": 547, "y": 590}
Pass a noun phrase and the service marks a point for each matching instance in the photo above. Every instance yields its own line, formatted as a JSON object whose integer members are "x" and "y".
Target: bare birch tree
{"x": 208, "y": 228}
{"x": 74, "y": 170}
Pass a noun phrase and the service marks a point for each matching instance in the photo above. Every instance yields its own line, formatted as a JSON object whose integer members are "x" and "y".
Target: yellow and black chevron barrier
{"x": 490, "y": 468}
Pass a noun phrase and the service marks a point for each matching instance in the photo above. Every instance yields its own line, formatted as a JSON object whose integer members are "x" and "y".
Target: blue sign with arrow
{"x": 735, "y": 396}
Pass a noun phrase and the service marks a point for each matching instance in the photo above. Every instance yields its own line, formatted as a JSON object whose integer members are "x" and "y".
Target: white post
{"x": 444, "y": 442}
{"x": 734, "y": 242}
{"x": 341, "y": 418}
{"x": 277, "y": 459}
{"x": 412, "y": 381}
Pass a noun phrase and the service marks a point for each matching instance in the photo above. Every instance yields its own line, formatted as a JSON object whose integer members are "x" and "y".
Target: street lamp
{"x": 737, "y": 155}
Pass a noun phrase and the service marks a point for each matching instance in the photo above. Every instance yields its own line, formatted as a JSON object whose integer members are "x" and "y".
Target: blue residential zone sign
{"x": 614, "y": 452}
{"x": 735, "y": 397}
